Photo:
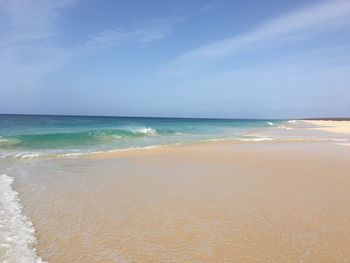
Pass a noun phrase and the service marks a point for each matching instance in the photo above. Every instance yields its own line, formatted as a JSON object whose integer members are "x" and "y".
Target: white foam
{"x": 112, "y": 151}
{"x": 28, "y": 155}
{"x": 261, "y": 139}
{"x": 269, "y": 123}
{"x": 292, "y": 121}
{"x": 17, "y": 237}
{"x": 147, "y": 131}
{"x": 2, "y": 140}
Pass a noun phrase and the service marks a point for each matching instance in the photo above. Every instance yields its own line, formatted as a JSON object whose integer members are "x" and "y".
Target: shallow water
{"x": 26, "y": 135}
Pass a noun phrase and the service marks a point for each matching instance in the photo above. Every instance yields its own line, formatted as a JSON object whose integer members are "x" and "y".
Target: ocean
{"x": 25, "y": 140}
{"x": 60, "y": 203}
{"x": 32, "y": 136}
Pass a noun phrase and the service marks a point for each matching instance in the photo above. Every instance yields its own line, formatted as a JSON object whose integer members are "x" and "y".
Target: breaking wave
{"x": 147, "y": 131}
{"x": 58, "y": 140}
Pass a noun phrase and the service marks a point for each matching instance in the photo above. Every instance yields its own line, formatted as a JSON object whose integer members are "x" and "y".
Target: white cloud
{"x": 119, "y": 37}
{"x": 316, "y": 83}
{"x": 25, "y": 21}
{"x": 312, "y": 19}
{"x": 29, "y": 49}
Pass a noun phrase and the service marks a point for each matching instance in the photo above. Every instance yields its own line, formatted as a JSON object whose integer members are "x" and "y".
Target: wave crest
{"x": 147, "y": 131}
{"x": 58, "y": 140}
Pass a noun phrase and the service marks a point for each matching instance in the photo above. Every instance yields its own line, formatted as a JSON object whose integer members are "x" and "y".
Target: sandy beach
{"x": 335, "y": 127}
{"x": 342, "y": 127}
{"x": 201, "y": 202}
{"x": 175, "y": 131}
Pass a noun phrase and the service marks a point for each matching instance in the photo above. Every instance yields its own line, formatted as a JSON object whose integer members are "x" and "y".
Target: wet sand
{"x": 206, "y": 202}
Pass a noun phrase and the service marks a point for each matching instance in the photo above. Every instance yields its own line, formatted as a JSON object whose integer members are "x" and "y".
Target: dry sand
{"x": 331, "y": 126}
{"x": 341, "y": 127}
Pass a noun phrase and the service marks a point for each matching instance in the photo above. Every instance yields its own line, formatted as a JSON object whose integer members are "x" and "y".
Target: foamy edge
{"x": 17, "y": 237}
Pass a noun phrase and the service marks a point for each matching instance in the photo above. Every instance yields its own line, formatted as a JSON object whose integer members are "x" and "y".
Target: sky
{"x": 180, "y": 58}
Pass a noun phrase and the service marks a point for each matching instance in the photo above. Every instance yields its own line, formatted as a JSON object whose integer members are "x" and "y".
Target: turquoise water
{"x": 29, "y": 134}
{"x": 34, "y": 137}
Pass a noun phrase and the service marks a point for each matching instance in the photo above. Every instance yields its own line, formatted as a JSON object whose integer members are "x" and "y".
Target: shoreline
{"x": 266, "y": 135}
{"x": 194, "y": 201}
{"x": 331, "y": 127}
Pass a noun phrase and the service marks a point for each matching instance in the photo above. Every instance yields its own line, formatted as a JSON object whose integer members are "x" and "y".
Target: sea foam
{"x": 147, "y": 131}
{"x": 260, "y": 139}
{"x": 17, "y": 237}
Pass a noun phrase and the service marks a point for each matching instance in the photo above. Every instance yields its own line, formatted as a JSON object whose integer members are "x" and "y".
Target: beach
{"x": 171, "y": 131}
{"x": 282, "y": 200}
{"x": 338, "y": 127}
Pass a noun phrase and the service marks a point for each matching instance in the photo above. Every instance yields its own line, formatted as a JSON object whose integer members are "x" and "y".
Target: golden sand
{"x": 342, "y": 127}
{"x": 208, "y": 202}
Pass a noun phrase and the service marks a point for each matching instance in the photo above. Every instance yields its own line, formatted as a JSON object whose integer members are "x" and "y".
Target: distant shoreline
{"x": 326, "y": 119}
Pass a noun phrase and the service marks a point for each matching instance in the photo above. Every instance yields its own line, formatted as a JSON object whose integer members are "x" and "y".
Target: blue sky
{"x": 235, "y": 59}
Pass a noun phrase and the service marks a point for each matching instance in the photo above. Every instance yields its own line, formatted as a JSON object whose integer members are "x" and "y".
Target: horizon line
{"x": 170, "y": 117}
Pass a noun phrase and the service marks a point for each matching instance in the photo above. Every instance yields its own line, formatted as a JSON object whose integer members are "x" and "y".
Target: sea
{"x": 25, "y": 136}
{"x": 61, "y": 200}
{"x": 31, "y": 137}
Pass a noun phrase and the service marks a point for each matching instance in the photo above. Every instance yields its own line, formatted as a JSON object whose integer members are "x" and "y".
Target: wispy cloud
{"x": 29, "y": 45}
{"x": 25, "y": 21}
{"x": 294, "y": 25}
{"x": 120, "y": 37}
{"x": 27, "y": 48}
{"x": 315, "y": 83}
